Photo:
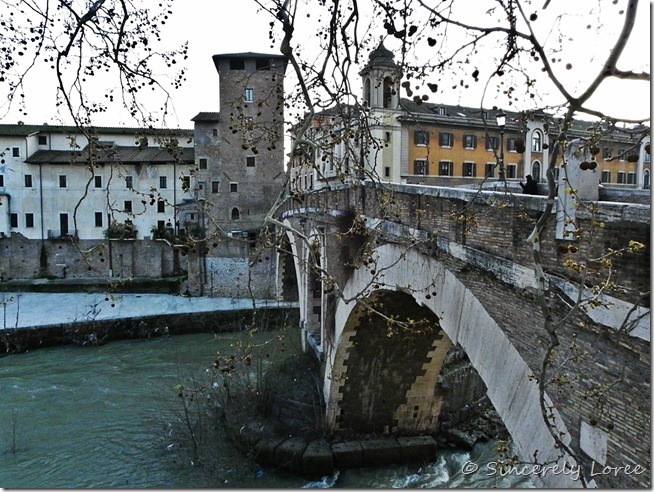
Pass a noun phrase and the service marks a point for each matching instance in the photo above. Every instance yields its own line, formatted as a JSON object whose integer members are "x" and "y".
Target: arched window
{"x": 646, "y": 177}
{"x": 236, "y": 215}
{"x": 537, "y": 141}
{"x": 388, "y": 92}
{"x": 535, "y": 171}
{"x": 367, "y": 92}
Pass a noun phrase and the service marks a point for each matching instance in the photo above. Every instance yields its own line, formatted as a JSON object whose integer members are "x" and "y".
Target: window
{"x": 161, "y": 207}
{"x": 263, "y": 64}
{"x": 237, "y": 64}
{"x": 97, "y": 181}
{"x": 163, "y": 181}
{"x": 203, "y": 163}
{"x": 250, "y": 161}
{"x": 511, "y": 171}
{"x": 421, "y": 167}
{"x": 214, "y": 186}
{"x": 647, "y": 158}
{"x": 490, "y": 170}
{"x": 233, "y": 187}
{"x": 13, "y": 220}
{"x": 43, "y": 140}
{"x": 440, "y": 111}
{"x": 2, "y": 180}
{"x": 98, "y": 219}
{"x": 15, "y": 151}
{"x": 621, "y": 177}
{"x": 446, "y": 139}
{"x": 470, "y": 169}
{"x": 646, "y": 179}
{"x": 621, "y": 154}
{"x": 537, "y": 142}
{"x": 510, "y": 145}
{"x": 236, "y": 215}
{"x": 387, "y": 172}
{"x": 491, "y": 143}
{"x": 29, "y": 220}
{"x": 445, "y": 168}
{"x": 469, "y": 141}
{"x": 215, "y": 132}
{"x": 62, "y": 181}
{"x": 388, "y": 92}
{"x": 421, "y": 137}
{"x": 28, "y": 181}
{"x": 63, "y": 224}
{"x": 127, "y": 206}
{"x": 606, "y": 176}
{"x": 388, "y": 137}
{"x": 129, "y": 182}
{"x": 606, "y": 153}
{"x": 535, "y": 171}
{"x": 249, "y": 94}
{"x": 631, "y": 178}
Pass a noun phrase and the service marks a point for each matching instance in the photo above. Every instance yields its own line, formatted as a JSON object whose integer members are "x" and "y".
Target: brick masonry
{"x": 499, "y": 226}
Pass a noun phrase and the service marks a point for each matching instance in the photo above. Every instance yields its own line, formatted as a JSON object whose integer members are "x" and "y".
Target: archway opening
{"x": 395, "y": 351}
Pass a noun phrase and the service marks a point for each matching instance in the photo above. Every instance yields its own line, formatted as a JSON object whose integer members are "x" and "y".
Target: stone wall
{"x": 22, "y": 258}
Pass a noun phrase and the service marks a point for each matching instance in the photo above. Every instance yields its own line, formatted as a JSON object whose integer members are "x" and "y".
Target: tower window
{"x": 237, "y": 64}
{"x": 203, "y": 163}
{"x": 389, "y": 91}
{"x": 236, "y": 215}
{"x": 263, "y": 64}
{"x": 250, "y": 161}
{"x": 249, "y": 94}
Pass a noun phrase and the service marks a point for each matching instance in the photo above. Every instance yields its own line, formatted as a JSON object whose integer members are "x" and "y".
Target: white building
{"x": 54, "y": 183}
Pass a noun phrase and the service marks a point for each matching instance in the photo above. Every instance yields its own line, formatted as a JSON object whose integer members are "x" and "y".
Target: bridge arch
{"x": 463, "y": 320}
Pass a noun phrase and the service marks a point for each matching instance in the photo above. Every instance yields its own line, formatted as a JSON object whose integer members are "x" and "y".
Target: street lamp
{"x": 500, "y": 117}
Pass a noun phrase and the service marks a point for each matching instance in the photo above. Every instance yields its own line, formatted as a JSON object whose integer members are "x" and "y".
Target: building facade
{"x": 412, "y": 141}
{"x": 58, "y": 181}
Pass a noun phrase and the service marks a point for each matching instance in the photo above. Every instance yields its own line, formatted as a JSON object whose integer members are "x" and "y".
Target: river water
{"x": 110, "y": 416}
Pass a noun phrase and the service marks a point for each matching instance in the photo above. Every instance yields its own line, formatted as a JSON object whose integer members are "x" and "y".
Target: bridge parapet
{"x": 497, "y": 223}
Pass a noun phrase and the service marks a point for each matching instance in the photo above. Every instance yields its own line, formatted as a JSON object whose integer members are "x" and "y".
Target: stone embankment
{"x": 317, "y": 457}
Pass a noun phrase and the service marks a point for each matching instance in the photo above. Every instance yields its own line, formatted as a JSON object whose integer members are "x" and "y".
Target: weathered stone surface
{"x": 289, "y": 454}
{"x": 459, "y": 438}
{"x": 264, "y": 449}
{"x": 380, "y": 452}
{"x": 347, "y": 454}
{"x": 419, "y": 448}
{"x": 318, "y": 458}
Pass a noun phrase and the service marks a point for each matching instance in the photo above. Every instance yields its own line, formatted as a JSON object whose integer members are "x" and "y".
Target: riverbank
{"x": 32, "y": 320}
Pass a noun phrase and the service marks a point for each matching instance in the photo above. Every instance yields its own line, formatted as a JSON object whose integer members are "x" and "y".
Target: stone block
{"x": 378, "y": 452}
{"x": 347, "y": 454}
{"x": 318, "y": 459}
{"x": 264, "y": 449}
{"x": 419, "y": 448}
{"x": 289, "y": 454}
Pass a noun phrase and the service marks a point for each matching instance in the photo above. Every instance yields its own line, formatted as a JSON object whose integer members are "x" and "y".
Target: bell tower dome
{"x": 381, "y": 79}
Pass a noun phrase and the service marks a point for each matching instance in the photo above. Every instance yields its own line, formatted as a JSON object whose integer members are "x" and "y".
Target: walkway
{"x": 31, "y": 310}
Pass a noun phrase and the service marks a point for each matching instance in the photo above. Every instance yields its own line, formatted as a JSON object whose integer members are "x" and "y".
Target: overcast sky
{"x": 222, "y": 26}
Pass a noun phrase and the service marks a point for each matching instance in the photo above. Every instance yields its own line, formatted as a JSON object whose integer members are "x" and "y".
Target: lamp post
{"x": 500, "y": 117}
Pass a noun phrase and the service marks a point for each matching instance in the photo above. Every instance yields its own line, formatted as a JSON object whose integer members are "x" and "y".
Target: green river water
{"x": 109, "y": 416}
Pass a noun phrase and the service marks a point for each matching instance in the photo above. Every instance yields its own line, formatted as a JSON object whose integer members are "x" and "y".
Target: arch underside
{"x": 390, "y": 363}
{"x": 462, "y": 320}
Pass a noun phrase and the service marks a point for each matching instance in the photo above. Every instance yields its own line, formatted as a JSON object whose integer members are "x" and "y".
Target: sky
{"x": 222, "y": 26}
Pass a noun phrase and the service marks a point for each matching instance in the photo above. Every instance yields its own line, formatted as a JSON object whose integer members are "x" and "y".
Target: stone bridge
{"x": 394, "y": 279}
